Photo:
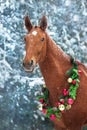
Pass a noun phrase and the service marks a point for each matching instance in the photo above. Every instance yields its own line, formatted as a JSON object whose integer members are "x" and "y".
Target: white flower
{"x": 69, "y": 80}
{"x": 61, "y": 107}
{"x": 68, "y": 107}
{"x": 40, "y": 107}
{"x": 44, "y": 86}
{"x": 54, "y": 109}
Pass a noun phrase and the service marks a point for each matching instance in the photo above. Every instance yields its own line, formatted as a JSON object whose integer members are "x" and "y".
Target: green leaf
{"x": 78, "y": 80}
{"x": 72, "y": 92}
{"x": 75, "y": 71}
{"x": 69, "y": 72}
{"x": 74, "y": 76}
{"x": 46, "y": 94}
{"x": 58, "y": 115}
{"x": 41, "y": 96}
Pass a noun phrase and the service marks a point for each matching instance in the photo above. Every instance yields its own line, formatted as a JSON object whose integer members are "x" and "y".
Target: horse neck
{"x": 54, "y": 67}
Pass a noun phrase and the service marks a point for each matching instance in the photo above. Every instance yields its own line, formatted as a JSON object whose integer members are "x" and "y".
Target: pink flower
{"x": 70, "y": 101}
{"x": 65, "y": 92}
{"x": 52, "y": 117}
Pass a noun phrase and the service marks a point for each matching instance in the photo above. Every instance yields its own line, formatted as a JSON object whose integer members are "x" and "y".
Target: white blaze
{"x": 34, "y": 33}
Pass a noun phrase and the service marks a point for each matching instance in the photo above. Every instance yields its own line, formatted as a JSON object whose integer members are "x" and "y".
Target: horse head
{"x": 35, "y": 43}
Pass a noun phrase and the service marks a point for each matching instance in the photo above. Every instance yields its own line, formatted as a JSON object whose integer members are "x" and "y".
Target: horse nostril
{"x": 23, "y": 64}
{"x": 31, "y": 63}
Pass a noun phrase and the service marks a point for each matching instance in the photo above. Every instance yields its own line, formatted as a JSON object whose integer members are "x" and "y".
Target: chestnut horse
{"x": 54, "y": 63}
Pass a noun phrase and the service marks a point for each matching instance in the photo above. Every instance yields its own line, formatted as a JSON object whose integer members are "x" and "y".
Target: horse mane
{"x": 58, "y": 51}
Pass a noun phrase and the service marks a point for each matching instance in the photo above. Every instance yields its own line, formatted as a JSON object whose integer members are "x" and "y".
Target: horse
{"x": 54, "y": 62}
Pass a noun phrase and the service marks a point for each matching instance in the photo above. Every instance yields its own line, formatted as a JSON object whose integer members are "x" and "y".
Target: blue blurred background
{"x": 67, "y": 25}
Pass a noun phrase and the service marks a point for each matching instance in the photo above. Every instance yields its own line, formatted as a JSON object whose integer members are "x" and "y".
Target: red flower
{"x": 57, "y": 104}
{"x": 65, "y": 92}
{"x": 62, "y": 101}
{"x": 41, "y": 100}
{"x": 45, "y": 104}
{"x": 74, "y": 82}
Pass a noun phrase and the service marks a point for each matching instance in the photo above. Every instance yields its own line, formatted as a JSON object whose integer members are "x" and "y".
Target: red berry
{"x": 62, "y": 101}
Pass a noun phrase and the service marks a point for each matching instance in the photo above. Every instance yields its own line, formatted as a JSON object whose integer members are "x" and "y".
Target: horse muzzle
{"x": 29, "y": 67}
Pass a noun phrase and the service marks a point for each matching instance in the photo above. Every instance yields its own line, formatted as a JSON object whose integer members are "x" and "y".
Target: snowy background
{"x": 67, "y": 20}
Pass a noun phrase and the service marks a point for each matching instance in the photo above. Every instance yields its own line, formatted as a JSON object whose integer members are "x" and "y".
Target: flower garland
{"x": 65, "y": 100}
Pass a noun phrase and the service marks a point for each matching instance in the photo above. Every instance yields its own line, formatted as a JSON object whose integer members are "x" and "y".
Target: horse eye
{"x": 42, "y": 39}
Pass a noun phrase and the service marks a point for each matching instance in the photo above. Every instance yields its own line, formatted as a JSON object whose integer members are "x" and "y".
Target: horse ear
{"x": 43, "y": 23}
{"x": 28, "y": 23}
